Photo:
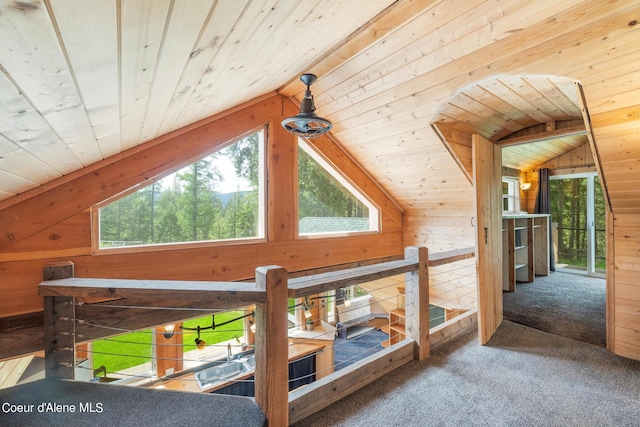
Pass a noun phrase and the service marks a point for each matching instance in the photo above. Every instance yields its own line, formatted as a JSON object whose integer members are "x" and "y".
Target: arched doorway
{"x": 539, "y": 121}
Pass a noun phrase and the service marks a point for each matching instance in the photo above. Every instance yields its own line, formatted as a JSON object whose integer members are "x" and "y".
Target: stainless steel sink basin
{"x": 244, "y": 354}
{"x": 251, "y": 361}
{"x": 223, "y": 371}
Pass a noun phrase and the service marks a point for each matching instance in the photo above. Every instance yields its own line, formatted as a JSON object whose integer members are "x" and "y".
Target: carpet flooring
{"x": 349, "y": 351}
{"x": 51, "y": 403}
{"x": 564, "y": 304}
{"x": 523, "y": 377}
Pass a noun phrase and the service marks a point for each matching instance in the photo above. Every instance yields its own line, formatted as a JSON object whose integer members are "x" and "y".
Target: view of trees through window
{"x": 569, "y": 211}
{"x": 215, "y": 198}
{"x": 325, "y": 205}
{"x": 219, "y": 197}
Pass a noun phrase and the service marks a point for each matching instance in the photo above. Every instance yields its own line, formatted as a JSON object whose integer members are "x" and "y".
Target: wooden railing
{"x": 269, "y": 293}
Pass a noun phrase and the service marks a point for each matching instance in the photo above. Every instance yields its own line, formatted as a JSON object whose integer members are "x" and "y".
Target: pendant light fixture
{"x": 200, "y": 344}
{"x": 307, "y": 123}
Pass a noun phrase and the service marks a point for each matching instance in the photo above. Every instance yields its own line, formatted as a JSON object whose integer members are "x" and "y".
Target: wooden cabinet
{"x": 525, "y": 249}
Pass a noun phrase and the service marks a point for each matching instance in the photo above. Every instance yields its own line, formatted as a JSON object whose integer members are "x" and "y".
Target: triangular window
{"x": 219, "y": 197}
{"x": 328, "y": 203}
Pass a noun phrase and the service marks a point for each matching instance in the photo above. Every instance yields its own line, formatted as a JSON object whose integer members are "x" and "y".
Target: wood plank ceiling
{"x": 82, "y": 81}
{"x": 534, "y": 118}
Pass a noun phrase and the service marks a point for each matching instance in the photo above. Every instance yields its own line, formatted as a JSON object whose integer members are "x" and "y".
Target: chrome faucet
{"x": 229, "y": 354}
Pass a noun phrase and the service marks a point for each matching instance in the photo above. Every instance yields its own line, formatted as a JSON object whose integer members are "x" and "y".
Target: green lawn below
{"x": 135, "y": 348}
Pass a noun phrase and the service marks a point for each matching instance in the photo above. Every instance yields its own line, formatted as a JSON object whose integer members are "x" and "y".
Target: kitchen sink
{"x": 221, "y": 372}
{"x": 251, "y": 361}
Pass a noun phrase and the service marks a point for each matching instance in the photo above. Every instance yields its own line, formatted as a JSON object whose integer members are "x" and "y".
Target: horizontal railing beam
{"x": 451, "y": 329}
{"x": 21, "y": 335}
{"x": 309, "y": 285}
{"x": 316, "y": 396}
{"x": 160, "y": 292}
{"x": 328, "y": 281}
{"x": 448, "y": 257}
{"x": 101, "y": 320}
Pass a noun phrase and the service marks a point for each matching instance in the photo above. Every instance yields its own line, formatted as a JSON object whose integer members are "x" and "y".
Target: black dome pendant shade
{"x": 307, "y": 123}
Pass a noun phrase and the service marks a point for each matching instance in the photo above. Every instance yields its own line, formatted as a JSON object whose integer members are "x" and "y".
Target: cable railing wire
{"x": 450, "y": 275}
{"x": 147, "y": 307}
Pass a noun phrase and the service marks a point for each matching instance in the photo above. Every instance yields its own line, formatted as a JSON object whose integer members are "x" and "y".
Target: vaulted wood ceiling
{"x": 534, "y": 118}
{"x": 84, "y": 80}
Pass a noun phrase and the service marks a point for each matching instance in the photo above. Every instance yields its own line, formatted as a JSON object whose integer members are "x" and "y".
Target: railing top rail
{"x": 447, "y": 257}
{"x": 154, "y": 290}
{"x": 323, "y": 282}
{"x": 309, "y": 285}
{"x": 241, "y": 292}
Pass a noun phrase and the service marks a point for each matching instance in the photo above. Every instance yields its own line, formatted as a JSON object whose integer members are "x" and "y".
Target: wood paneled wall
{"x": 623, "y": 286}
{"x": 617, "y": 141}
{"x": 442, "y": 232}
{"x": 64, "y": 233}
{"x": 617, "y": 137}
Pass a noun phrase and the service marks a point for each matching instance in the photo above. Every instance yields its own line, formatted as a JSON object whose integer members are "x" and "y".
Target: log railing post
{"x": 272, "y": 361}
{"x": 59, "y": 327}
{"x": 417, "y": 301}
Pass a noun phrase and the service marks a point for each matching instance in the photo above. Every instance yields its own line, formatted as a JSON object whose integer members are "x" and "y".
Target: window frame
{"x": 513, "y": 195}
{"x": 375, "y": 213}
{"x": 154, "y": 247}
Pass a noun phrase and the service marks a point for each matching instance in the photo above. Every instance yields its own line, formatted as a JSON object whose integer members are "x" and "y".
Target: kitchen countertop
{"x": 524, "y": 215}
{"x": 188, "y": 382}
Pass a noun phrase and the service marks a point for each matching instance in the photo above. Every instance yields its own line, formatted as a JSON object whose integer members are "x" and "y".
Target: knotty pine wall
{"x": 54, "y": 223}
{"x": 441, "y": 216}
{"x": 623, "y": 299}
{"x": 617, "y": 140}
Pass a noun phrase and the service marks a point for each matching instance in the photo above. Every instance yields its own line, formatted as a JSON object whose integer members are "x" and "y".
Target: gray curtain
{"x": 543, "y": 206}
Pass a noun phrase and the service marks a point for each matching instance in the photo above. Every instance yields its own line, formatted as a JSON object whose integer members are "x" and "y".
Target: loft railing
{"x": 416, "y": 267}
{"x": 64, "y": 295}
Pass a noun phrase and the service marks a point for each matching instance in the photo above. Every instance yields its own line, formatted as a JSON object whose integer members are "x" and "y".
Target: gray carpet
{"x": 523, "y": 377}
{"x": 72, "y": 403}
{"x": 349, "y": 351}
{"x": 564, "y": 304}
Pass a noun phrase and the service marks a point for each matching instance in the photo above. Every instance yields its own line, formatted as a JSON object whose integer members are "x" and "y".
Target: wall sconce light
{"x": 525, "y": 186}
{"x": 168, "y": 330}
